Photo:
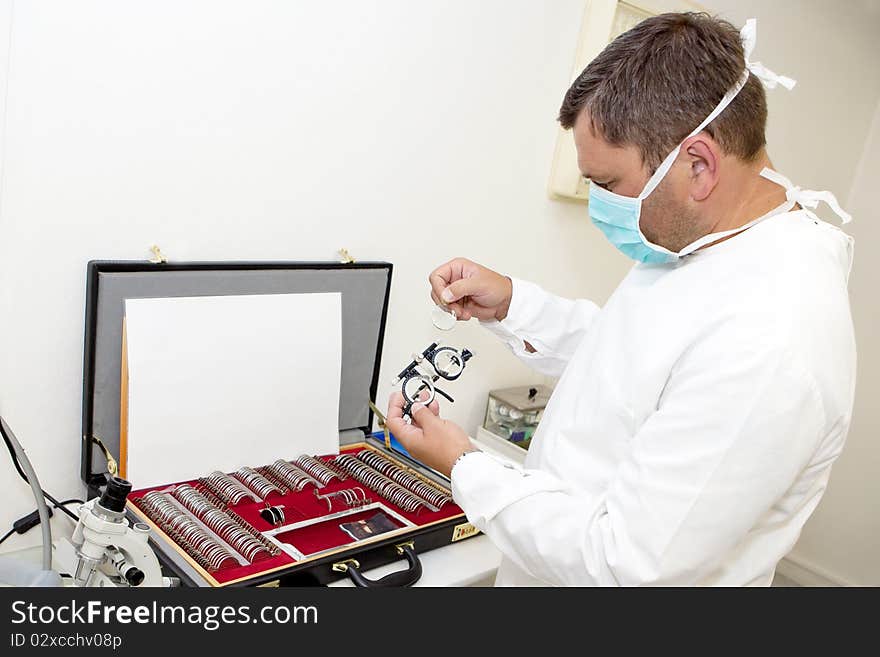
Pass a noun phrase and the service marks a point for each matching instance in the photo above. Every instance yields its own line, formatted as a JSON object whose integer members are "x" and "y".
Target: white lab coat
{"x": 693, "y": 428}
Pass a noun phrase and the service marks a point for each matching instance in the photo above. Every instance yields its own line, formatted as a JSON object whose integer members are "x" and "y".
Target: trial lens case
{"x": 321, "y": 554}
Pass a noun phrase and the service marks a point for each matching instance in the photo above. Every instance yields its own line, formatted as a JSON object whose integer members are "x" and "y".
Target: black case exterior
{"x": 319, "y": 571}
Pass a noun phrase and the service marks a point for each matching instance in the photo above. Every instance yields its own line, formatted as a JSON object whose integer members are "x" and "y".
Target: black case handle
{"x": 407, "y": 577}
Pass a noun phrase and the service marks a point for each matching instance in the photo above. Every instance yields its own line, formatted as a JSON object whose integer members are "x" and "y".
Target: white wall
{"x": 842, "y": 540}
{"x": 405, "y": 131}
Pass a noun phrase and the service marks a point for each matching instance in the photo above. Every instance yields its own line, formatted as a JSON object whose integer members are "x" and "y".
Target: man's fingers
{"x": 461, "y": 288}
{"x": 437, "y": 286}
{"x": 472, "y": 309}
{"x": 440, "y": 278}
{"x": 397, "y": 402}
{"x": 448, "y": 273}
{"x": 453, "y": 308}
{"x": 407, "y": 434}
{"x": 424, "y": 416}
{"x": 395, "y": 405}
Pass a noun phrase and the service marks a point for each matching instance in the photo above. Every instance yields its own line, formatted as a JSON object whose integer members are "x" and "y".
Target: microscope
{"x": 106, "y": 551}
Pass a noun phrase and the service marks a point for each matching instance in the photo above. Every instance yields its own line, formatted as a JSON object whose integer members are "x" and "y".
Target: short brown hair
{"x": 654, "y": 84}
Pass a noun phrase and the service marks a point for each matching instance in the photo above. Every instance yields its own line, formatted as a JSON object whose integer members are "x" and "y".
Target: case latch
{"x": 343, "y": 566}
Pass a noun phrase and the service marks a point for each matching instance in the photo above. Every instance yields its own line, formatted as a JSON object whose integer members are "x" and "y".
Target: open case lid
{"x": 364, "y": 289}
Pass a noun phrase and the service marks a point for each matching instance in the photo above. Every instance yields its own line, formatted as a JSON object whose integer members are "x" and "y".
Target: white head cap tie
{"x": 749, "y": 34}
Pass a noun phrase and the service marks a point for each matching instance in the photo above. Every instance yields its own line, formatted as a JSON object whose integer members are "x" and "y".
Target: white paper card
{"x": 216, "y": 383}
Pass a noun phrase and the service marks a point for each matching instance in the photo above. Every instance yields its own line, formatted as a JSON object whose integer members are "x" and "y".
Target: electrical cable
{"x": 60, "y": 504}
{"x": 15, "y": 462}
{"x": 39, "y": 493}
{"x": 7, "y": 535}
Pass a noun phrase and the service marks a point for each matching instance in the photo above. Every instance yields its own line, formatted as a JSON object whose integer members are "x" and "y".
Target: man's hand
{"x": 471, "y": 290}
{"x": 435, "y": 442}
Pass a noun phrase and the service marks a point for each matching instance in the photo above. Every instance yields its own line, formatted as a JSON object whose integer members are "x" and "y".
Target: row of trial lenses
{"x": 227, "y": 488}
{"x": 177, "y": 525}
{"x": 382, "y": 485}
{"x": 202, "y": 547}
{"x": 317, "y": 469}
{"x": 430, "y": 494}
{"x": 269, "y": 545}
{"x": 289, "y": 475}
{"x": 192, "y": 499}
{"x": 241, "y": 541}
{"x": 256, "y": 482}
{"x": 225, "y": 524}
{"x": 378, "y": 482}
{"x": 275, "y": 481}
{"x": 209, "y": 496}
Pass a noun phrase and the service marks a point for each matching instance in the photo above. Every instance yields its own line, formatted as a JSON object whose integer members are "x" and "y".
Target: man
{"x": 698, "y": 413}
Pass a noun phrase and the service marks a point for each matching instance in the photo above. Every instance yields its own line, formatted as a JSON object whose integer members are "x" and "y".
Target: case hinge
{"x": 158, "y": 257}
{"x": 381, "y": 420}
{"x": 112, "y": 466}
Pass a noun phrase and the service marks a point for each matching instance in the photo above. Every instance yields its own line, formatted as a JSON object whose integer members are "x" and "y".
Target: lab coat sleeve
{"x": 553, "y": 325}
{"x": 732, "y": 430}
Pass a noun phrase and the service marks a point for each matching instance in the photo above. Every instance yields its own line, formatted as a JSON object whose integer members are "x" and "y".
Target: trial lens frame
{"x": 447, "y": 362}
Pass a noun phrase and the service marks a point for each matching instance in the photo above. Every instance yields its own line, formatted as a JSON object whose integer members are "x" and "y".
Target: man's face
{"x": 666, "y": 219}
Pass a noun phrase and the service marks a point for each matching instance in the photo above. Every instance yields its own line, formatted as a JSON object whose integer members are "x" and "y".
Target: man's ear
{"x": 704, "y": 156}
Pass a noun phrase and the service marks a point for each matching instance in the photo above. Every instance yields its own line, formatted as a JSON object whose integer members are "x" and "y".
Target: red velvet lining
{"x": 304, "y": 506}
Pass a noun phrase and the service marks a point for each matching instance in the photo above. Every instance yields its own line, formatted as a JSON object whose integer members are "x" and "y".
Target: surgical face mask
{"x": 618, "y": 216}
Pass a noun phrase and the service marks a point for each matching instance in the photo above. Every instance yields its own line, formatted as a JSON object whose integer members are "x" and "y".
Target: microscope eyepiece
{"x": 114, "y": 496}
{"x": 134, "y": 576}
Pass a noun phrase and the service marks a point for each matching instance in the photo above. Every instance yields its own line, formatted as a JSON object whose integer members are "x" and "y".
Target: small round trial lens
{"x": 443, "y": 319}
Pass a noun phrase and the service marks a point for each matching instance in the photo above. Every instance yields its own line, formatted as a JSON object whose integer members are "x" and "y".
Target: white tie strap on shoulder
{"x": 807, "y": 198}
